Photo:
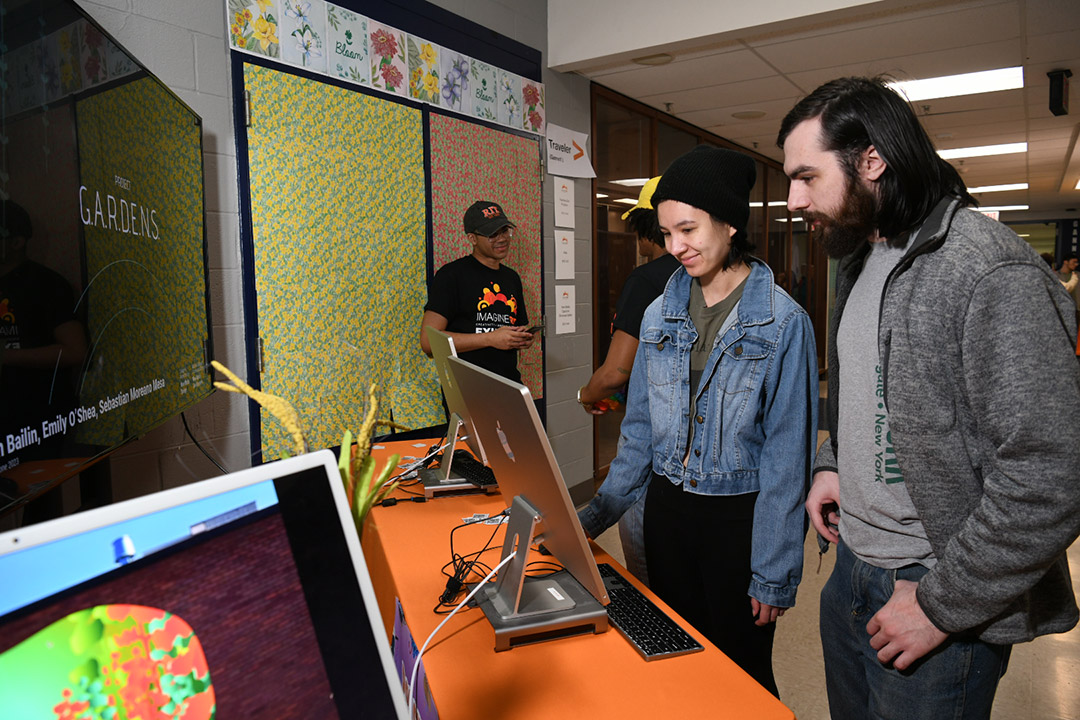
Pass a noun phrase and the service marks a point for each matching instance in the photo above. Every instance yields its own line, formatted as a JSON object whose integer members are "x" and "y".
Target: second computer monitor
{"x": 504, "y": 416}
{"x": 442, "y": 347}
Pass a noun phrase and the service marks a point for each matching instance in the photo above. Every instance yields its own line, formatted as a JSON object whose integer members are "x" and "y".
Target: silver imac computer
{"x": 529, "y": 609}
{"x": 444, "y": 479}
{"x": 226, "y": 597}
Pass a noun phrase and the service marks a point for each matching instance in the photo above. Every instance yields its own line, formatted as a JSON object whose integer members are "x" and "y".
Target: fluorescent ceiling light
{"x": 983, "y": 150}
{"x": 794, "y": 219}
{"x": 1077, "y": 185}
{"x": 1000, "y": 208}
{"x": 998, "y": 188}
{"x": 631, "y": 182}
{"x": 1024, "y": 235}
{"x": 600, "y": 196}
{"x": 966, "y": 84}
{"x": 627, "y": 201}
{"x": 774, "y": 203}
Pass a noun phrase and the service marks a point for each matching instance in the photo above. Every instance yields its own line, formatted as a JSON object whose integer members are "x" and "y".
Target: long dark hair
{"x": 857, "y": 112}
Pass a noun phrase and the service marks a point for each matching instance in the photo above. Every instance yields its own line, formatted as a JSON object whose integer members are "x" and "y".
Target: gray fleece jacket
{"x": 977, "y": 340}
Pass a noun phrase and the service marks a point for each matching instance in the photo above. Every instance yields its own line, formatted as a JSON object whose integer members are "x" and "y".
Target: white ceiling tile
{"x": 687, "y": 74}
{"x": 928, "y": 32}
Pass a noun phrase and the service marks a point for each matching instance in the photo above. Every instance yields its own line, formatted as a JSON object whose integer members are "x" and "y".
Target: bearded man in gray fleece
{"x": 949, "y": 480}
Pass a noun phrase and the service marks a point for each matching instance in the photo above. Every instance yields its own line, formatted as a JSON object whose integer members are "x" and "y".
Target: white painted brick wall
{"x": 184, "y": 44}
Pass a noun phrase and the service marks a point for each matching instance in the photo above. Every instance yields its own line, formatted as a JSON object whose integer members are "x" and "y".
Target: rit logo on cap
{"x": 490, "y": 211}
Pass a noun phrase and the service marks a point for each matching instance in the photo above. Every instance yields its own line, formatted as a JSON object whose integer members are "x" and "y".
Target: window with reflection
{"x": 755, "y": 226}
{"x": 671, "y": 142}
{"x": 623, "y": 165}
{"x": 776, "y": 226}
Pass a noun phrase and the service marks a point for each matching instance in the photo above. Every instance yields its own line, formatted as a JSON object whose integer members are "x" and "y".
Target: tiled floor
{"x": 1042, "y": 683}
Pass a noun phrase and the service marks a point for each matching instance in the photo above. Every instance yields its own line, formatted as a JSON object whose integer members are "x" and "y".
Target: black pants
{"x": 698, "y": 552}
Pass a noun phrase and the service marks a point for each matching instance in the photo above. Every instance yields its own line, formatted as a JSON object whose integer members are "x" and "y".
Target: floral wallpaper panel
{"x": 511, "y": 176}
{"x": 338, "y": 219}
{"x": 389, "y": 67}
{"x": 347, "y": 45}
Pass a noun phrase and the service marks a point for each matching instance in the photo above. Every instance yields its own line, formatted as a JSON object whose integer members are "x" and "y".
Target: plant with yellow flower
{"x": 363, "y": 486}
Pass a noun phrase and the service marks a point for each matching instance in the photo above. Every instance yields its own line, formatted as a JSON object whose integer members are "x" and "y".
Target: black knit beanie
{"x": 712, "y": 179}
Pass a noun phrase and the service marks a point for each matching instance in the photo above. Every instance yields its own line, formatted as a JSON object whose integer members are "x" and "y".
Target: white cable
{"x": 416, "y": 665}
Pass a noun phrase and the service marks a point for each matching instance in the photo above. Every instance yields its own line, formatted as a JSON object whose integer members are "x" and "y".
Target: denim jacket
{"x": 755, "y": 429}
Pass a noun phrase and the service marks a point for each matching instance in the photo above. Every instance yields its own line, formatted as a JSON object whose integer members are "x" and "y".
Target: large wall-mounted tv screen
{"x": 104, "y": 324}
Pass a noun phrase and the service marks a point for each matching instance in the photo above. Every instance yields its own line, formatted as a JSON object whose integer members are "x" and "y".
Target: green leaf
{"x": 84, "y": 674}
{"x": 86, "y": 635}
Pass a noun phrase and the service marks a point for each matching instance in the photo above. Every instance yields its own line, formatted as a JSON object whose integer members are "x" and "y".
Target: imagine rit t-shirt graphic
{"x": 9, "y": 326}
{"x": 495, "y": 309}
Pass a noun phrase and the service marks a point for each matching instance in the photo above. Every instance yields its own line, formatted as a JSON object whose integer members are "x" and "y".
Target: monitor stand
{"x": 439, "y": 480}
{"x": 525, "y": 610}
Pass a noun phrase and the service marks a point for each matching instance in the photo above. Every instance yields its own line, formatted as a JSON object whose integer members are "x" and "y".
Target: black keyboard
{"x": 652, "y": 633}
{"x": 468, "y": 467}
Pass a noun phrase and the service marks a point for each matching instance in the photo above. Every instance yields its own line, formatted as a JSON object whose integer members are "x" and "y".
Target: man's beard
{"x": 853, "y": 224}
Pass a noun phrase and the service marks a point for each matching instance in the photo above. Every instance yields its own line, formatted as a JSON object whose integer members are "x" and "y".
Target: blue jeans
{"x": 956, "y": 681}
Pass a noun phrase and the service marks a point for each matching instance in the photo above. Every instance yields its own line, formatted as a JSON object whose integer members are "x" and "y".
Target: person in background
{"x": 1069, "y": 277}
{"x": 478, "y": 301}
{"x": 720, "y": 420}
{"x": 608, "y": 383}
{"x": 949, "y": 476}
{"x": 42, "y": 345}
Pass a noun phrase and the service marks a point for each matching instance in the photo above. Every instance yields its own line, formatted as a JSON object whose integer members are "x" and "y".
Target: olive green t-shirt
{"x": 708, "y": 321}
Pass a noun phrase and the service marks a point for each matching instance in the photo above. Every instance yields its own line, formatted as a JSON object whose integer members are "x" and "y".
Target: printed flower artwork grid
{"x": 326, "y": 38}
{"x": 347, "y": 45}
{"x": 485, "y": 101}
{"x": 388, "y": 66}
{"x": 303, "y": 33}
{"x": 424, "y": 70}
{"x": 94, "y": 63}
{"x": 509, "y": 95}
{"x": 253, "y": 26}
{"x": 533, "y": 115}
{"x": 455, "y": 81}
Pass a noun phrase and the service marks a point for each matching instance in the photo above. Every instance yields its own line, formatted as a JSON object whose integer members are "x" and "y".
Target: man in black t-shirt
{"x": 478, "y": 301}
{"x": 644, "y": 284}
{"x": 40, "y": 337}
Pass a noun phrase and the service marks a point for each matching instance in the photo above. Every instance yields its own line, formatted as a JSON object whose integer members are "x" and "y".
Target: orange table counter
{"x": 587, "y": 676}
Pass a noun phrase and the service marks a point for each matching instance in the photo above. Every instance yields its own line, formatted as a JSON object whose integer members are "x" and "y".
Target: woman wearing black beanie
{"x": 722, "y": 422}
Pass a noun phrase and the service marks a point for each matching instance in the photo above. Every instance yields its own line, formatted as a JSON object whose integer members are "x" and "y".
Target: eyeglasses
{"x": 507, "y": 233}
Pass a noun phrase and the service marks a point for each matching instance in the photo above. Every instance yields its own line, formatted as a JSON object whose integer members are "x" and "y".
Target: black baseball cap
{"x": 486, "y": 218}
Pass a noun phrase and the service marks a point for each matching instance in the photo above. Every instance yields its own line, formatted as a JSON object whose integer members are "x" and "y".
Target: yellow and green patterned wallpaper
{"x": 339, "y": 207}
{"x": 141, "y": 205}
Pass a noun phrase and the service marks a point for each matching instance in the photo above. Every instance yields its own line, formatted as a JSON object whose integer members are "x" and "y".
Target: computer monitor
{"x": 528, "y": 609}
{"x": 442, "y": 348}
{"x": 244, "y": 596}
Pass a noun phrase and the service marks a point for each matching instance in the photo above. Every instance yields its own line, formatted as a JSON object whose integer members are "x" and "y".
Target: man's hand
{"x": 823, "y": 504}
{"x": 900, "y": 631}
{"x": 509, "y": 337}
{"x": 763, "y": 613}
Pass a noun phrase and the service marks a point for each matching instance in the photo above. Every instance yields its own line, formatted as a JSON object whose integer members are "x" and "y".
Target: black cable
{"x": 201, "y": 448}
{"x": 463, "y": 566}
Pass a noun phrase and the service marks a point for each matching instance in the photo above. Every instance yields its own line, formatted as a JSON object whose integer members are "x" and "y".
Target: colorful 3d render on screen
{"x": 112, "y": 662}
